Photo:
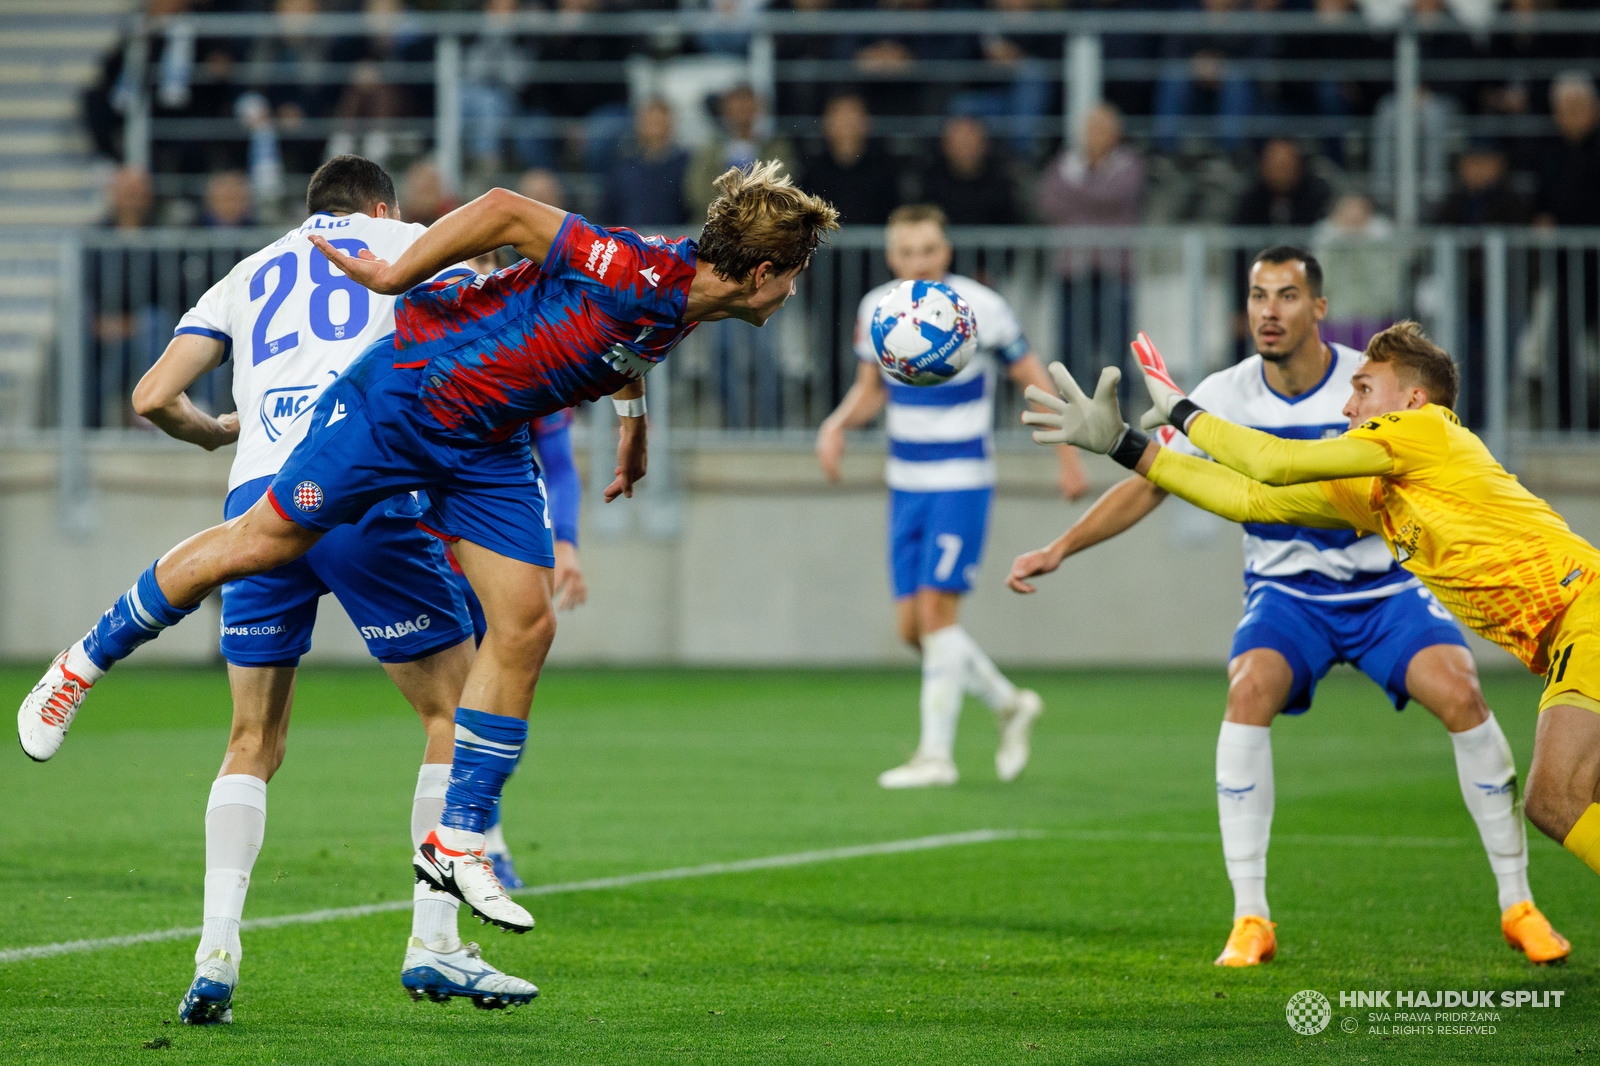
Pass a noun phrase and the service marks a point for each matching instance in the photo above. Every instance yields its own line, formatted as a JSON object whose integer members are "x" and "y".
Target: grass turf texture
{"x": 1089, "y": 944}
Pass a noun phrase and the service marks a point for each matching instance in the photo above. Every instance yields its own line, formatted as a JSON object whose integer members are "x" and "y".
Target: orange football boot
{"x": 1251, "y": 942}
{"x": 1530, "y": 933}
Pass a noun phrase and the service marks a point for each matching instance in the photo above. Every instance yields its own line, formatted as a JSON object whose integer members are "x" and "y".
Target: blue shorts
{"x": 1379, "y": 636}
{"x": 480, "y": 624}
{"x": 371, "y": 438}
{"x": 936, "y": 539}
{"x": 391, "y": 578}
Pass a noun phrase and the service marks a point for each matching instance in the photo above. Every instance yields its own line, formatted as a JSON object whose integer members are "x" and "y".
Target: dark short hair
{"x": 347, "y": 184}
{"x": 1416, "y": 357}
{"x": 1288, "y": 253}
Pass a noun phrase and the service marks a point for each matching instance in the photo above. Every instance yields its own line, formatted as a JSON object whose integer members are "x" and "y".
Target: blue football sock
{"x": 487, "y": 749}
{"x": 138, "y": 617}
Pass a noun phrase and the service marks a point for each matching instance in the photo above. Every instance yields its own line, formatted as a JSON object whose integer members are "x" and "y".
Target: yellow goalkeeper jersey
{"x": 1498, "y": 556}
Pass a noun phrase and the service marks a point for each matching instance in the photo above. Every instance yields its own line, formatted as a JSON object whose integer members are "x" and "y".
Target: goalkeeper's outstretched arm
{"x": 1225, "y": 492}
{"x": 1279, "y": 461}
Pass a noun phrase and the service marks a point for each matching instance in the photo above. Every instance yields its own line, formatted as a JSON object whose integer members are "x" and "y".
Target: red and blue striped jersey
{"x": 502, "y": 349}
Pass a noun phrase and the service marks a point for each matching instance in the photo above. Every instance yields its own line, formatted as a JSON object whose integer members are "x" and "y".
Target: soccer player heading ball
{"x": 443, "y": 405}
{"x": 941, "y": 479}
{"x": 1407, "y": 471}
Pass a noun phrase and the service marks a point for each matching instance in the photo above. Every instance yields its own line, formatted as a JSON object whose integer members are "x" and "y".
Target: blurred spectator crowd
{"x": 272, "y": 108}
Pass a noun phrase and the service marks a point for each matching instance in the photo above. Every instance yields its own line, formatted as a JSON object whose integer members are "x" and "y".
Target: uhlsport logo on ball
{"x": 1309, "y": 1012}
{"x": 308, "y": 495}
{"x": 923, "y": 333}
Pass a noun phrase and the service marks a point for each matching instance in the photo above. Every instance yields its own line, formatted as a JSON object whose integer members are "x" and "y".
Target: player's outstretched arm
{"x": 1121, "y": 508}
{"x": 160, "y": 395}
{"x": 1215, "y": 488}
{"x": 860, "y": 406}
{"x": 497, "y": 218}
{"x": 1257, "y": 455}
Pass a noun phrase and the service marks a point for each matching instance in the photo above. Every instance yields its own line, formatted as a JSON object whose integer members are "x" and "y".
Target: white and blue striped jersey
{"x": 292, "y": 323}
{"x": 941, "y": 437}
{"x": 1333, "y": 565}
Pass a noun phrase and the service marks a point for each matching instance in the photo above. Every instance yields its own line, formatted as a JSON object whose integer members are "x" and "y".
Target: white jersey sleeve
{"x": 999, "y": 332}
{"x": 209, "y": 317}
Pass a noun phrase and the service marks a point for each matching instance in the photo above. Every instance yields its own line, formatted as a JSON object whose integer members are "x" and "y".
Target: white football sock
{"x": 943, "y": 673}
{"x": 236, "y": 824}
{"x": 433, "y": 913}
{"x": 1244, "y": 810}
{"x": 494, "y": 841}
{"x": 81, "y": 665}
{"x": 981, "y": 677}
{"x": 1488, "y": 777}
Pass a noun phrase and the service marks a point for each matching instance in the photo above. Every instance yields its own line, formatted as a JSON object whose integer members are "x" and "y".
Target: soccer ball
{"x": 924, "y": 333}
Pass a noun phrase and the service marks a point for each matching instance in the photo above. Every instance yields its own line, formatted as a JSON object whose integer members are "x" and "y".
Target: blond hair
{"x": 760, "y": 217}
{"x": 1423, "y": 362}
{"x": 911, "y": 214}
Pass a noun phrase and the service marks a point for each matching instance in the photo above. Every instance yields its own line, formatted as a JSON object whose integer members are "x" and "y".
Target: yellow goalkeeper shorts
{"x": 1573, "y": 678}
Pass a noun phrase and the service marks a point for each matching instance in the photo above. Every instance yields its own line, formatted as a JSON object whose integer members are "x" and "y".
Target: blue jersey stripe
{"x": 933, "y": 451}
{"x": 1311, "y": 583}
{"x": 937, "y": 395}
{"x": 1316, "y": 432}
{"x": 1323, "y": 539}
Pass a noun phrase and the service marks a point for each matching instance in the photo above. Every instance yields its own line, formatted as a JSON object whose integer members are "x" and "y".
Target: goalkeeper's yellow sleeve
{"x": 1277, "y": 461}
{"x": 1225, "y": 492}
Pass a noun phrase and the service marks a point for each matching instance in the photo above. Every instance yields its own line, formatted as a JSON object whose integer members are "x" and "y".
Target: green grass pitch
{"x": 1091, "y": 942}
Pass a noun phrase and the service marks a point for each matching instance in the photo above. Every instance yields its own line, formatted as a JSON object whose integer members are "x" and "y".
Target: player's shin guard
{"x": 487, "y": 749}
{"x": 1488, "y": 778}
{"x": 1244, "y": 811}
{"x": 1584, "y": 839}
{"x": 944, "y": 670}
{"x": 137, "y": 617}
{"x": 433, "y": 913}
{"x": 236, "y": 824}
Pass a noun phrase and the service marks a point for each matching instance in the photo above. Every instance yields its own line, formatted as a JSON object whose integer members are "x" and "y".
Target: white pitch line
{"x": 678, "y": 873}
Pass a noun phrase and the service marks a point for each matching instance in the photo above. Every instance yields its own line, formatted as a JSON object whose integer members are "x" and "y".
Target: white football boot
{"x": 47, "y": 711}
{"x": 1016, "y": 731}
{"x": 209, "y": 1000}
{"x": 442, "y": 975}
{"x": 923, "y": 771}
{"x": 469, "y": 877}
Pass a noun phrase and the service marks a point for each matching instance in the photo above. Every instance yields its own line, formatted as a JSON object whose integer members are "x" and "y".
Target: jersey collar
{"x": 1333, "y": 361}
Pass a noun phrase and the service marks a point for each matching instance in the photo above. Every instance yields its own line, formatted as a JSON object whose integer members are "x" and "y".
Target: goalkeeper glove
{"x": 1169, "y": 405}
{"x": 1094, "y": 424}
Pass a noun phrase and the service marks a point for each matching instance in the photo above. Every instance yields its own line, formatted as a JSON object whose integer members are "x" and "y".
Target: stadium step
{"x": 50, "y": 52}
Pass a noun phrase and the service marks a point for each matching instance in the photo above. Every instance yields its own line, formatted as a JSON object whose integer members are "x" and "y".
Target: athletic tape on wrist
{"x": 633, "y": 408}
{"x": 1182, "y": 411}
{"x": 1129, "y": 447}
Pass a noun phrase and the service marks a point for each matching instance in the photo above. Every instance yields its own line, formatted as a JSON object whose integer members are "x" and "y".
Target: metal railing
{"x": 1080, "y": 76}
{"x": 1519, "y": 308}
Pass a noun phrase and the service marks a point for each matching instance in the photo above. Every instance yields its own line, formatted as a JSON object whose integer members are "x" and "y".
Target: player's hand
{"x": 1031, "y": 564}
{"x": 228, "y": 425}
{"x": 366, "y": 270}
{"x": 632, "y": 458}
{"x": 1164, "y": 392}
{"x": 1091, "y": 423}
{"x": 830, "y": 449}
{"x": 570, "y": 588}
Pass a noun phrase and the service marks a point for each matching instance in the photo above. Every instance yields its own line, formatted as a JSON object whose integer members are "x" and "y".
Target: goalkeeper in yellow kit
{"x": 1492, "y": 552}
